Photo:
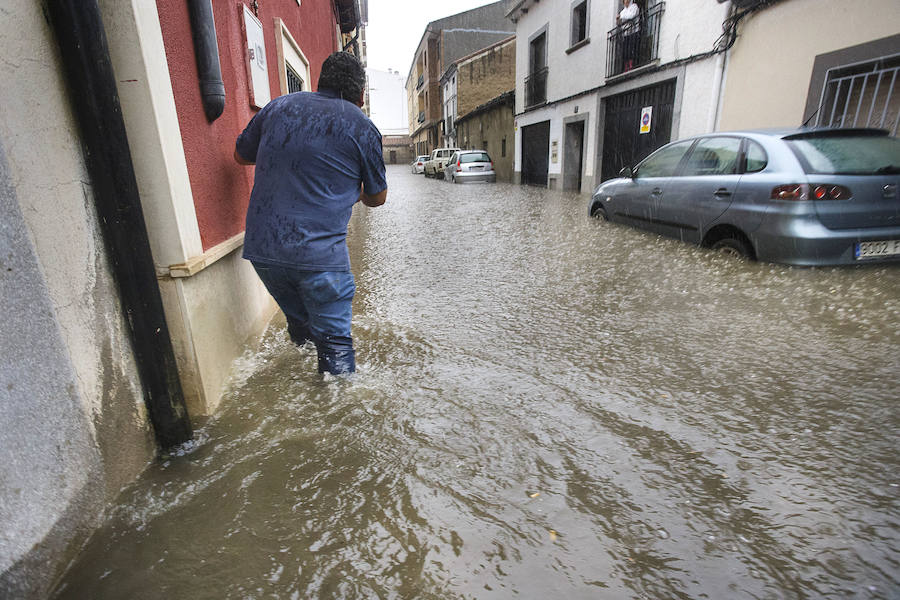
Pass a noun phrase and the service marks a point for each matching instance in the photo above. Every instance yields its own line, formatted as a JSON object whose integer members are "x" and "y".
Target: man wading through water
{"x": 316, "y": 155}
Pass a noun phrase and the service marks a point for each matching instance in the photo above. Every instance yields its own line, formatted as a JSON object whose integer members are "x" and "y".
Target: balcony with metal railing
{"x": 536, "y": 87}
{"x": 634, "y": 43}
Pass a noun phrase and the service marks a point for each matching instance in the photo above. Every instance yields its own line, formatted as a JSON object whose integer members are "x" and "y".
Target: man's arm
{"x": 240, "y": 159}
{"x": 373, "y": 200}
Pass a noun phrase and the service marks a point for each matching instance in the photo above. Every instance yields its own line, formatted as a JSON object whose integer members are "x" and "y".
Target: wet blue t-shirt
{"x": 312, "y": 150}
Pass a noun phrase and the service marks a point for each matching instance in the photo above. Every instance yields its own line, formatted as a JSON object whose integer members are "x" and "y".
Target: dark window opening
{"x": 579, "y": 23}
{"x": 536, "y": 82}
{"x": 294, "y": 82}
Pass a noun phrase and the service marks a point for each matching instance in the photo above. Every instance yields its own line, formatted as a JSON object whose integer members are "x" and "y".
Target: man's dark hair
{"x": 342, "y": 73}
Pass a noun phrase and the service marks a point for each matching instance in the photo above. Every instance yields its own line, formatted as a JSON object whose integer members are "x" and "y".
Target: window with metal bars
{"x": 862, "y": 95}
{"x": 294, "y": 82}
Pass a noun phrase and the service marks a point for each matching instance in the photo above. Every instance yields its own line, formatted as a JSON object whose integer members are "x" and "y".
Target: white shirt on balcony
{"x": 627, "y": 15}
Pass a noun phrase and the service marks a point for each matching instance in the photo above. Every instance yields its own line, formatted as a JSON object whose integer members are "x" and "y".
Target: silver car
{"x": 470, "y": 165}
{"x": 802, "y": 197}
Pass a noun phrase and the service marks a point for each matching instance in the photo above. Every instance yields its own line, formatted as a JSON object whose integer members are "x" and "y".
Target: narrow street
{"x": 547, "y": 406}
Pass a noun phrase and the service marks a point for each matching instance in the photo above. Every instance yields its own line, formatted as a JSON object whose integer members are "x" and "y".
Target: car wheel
{"x": 598, "y": 212}
{"x": 732, "y": 246}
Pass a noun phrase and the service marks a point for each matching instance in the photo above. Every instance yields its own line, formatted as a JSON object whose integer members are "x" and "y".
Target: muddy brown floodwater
{"x": 547, "y": 406}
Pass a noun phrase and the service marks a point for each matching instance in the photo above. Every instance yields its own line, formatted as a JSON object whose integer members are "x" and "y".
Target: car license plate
{"x": 877, "y": 249}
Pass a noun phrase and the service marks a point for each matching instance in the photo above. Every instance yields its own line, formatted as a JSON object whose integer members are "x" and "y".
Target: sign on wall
{"x": 646, "y": 118}
{"x": 257, "y": 72}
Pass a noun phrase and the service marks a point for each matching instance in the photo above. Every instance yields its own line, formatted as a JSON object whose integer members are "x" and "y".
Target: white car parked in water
{"x": 418, "y": 165}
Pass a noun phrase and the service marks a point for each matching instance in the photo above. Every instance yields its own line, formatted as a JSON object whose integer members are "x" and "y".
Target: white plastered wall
{"x": 690, "y": 27}
{"x": 698, "y": 100}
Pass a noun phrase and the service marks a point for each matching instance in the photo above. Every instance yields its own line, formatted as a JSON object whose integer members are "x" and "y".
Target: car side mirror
{"x": 626, "y": 173}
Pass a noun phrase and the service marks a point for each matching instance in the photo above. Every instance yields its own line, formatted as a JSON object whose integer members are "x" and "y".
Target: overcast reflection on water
{"x": 546, "y": 406}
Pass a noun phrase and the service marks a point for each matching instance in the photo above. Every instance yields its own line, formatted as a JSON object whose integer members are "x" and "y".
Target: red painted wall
{"x": 221, "y": 187}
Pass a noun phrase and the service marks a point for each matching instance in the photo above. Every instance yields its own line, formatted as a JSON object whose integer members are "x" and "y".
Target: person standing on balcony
{"x": 629, "y": 24}
{"x": 316, "y": 155}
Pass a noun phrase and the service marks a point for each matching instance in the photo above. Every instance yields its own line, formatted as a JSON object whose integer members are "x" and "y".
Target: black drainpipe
{"x": 92, "y": 86}
{"x": 206, "y": 47}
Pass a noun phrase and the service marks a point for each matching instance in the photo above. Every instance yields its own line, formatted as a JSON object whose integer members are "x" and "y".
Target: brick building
{"x": 443, "y": 42}
{"x": 491, "y": 127}
{"x": 473, "y": 81}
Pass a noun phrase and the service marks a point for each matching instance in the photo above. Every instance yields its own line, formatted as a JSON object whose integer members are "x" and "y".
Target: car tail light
{"x": 459, "y": 164}
{"x": 827, "y": 191}
{"x": 817, "y": 191}
{"x": 791, "y": 191}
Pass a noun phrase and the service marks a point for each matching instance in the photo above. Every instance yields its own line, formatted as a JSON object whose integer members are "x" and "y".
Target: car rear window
{"x": 475, "y": 157}
{"x": 848, "y": 155}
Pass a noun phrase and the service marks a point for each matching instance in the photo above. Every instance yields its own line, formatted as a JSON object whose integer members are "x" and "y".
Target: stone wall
{"x": 492, "y": 128}
{"x": 485, "y": 76}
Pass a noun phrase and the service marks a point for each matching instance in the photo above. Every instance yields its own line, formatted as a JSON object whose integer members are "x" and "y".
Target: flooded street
{"x": 547, "y": 406}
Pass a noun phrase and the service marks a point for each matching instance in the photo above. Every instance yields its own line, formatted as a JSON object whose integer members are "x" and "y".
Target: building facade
{"x": 443, "y": 42}
{"x": 474, "y": 80}
{"x": 593, "y": 95}
{"x": 75, "y": 426}
{"x": 686, "y": 67}
{"x": 397, "y": 149}
{"x": 844, "y": 79}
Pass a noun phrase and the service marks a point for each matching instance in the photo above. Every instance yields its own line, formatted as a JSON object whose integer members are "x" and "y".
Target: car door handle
{"x": 722, "y": 193}
{"x": 656, "y": 192}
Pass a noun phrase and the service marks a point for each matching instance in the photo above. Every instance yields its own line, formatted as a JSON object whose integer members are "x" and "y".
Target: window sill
{"x": 198, "y": 263}
{"x": 633, "y": 72}
{"x": 578, "y": 45}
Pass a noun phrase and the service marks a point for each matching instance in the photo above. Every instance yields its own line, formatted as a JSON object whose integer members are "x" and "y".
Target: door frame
{"x": 585, "y": 118}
